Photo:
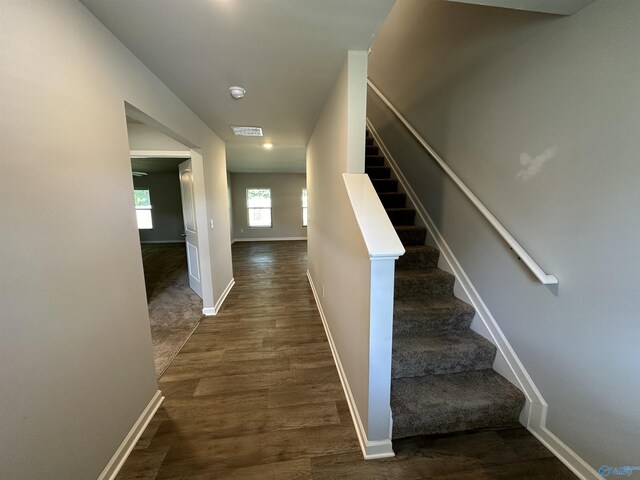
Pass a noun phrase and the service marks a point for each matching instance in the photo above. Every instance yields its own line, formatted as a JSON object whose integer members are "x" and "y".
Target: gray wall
{"x": 286, "y": 201}
{"x": 166, "y": 207}
{"x": 144, "y": 137}
{"x": 338, "y": 256}
{"x": 540, "y": 116}
{"x": 76, "y": 361}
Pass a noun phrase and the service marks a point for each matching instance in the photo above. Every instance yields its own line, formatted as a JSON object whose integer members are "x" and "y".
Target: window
{"x": 142, "y": 200}
{"x": 259, "y": 207}
{"x": 304, "y": 207}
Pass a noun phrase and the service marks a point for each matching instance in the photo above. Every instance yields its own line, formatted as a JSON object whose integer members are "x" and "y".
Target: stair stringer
{"x": 506, "y": 363}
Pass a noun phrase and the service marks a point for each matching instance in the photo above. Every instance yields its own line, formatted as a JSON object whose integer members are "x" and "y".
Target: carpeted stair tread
{"x": 393, "y": 199}
{"x": 438, "y": 353}
{"x": 411, "y": 234}
{"x": 419, "y": 284}
{"x": 374, "y": 161}
{"x": 371, "y": 150}
{"x": 454, "y": 402}
{"x": 401, "y": 216}
{"x": 385, "y": 184}
{"x": 378, "y": 172}
{"x": 430, "y": 314}
{"x": 418, "y": 256}
{"x": 441, "y": 370}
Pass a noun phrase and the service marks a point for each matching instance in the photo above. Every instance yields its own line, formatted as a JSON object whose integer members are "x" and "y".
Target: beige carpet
{"x": 174, "y": 309}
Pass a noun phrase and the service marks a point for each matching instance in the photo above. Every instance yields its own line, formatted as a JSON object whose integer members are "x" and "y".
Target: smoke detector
{"x": 237, "y": 92}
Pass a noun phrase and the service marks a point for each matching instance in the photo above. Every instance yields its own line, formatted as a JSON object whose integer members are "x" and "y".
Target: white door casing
{"x": 190, "y": 226}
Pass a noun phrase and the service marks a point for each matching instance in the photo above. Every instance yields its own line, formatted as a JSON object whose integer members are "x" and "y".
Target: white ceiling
{"x": 286, "y": 53}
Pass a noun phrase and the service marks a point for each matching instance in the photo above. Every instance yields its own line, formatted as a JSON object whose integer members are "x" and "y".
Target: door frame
{"x": 204, "y": 257}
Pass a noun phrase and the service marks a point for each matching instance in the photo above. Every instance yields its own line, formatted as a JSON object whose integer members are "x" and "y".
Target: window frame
{"x": 270, "y": 208}
{"x": 143, "y": 208}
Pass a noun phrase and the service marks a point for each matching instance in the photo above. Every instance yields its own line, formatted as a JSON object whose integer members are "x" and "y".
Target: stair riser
{"x": 374, "y": 161}
{"x": 385, "y": 185}
{"x": 454, "y": 316}
{"x": 369, "y": 141}
{"x": 402, "y": 217}
{"x": 378, "y": 172}
{"x": 475, "y": 419}
{"x": 436, "y": 404}
{"x": 425, "y": 323}
{"x": 393, "y": 200}
{"x": 411, "y": 260}
{"x": 412, "y": 237}
{"x": 443, "y": 362}
{"x": 371, "y": 150}
{"x": 424, "y": 287}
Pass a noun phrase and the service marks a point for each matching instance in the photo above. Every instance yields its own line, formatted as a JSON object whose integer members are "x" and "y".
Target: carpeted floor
{"x": 174, "y": 309}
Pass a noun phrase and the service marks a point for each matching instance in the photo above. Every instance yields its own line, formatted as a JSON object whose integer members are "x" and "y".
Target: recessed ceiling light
{"x": 139, "y": 174}
{"x": 268, "y": 145}
{"x": 237, "y": 92}
{"x": 247, "y": 131}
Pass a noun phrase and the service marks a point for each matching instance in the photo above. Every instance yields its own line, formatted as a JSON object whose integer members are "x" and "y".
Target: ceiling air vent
{"x": 247, "y": 131}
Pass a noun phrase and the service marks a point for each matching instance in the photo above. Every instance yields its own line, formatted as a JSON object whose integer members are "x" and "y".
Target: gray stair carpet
{"x": 442, "y": 376}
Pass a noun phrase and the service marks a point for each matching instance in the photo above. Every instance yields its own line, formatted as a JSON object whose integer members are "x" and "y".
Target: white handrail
{"x": 377, "y": 230}
{"x": 512, "y": 242}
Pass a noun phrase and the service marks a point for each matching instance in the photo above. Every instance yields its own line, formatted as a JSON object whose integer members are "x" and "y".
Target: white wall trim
{"x": 556, "y": 446}
{"x": 370, "y": 449}
{"x": 267, "y": 239}
{"x": 124, "y": 450}
{"x": 163, "y": 241}
{"x": 535, "y": 411}
{"x": 216, "y": 308}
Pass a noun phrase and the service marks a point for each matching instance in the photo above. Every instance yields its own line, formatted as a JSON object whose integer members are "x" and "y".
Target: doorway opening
{"x": 165, "y": 205}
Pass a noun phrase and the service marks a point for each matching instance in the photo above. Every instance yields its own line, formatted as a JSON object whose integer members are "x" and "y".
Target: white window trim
{"x": 246, "y": 195}
{"x": 150, "y": 207}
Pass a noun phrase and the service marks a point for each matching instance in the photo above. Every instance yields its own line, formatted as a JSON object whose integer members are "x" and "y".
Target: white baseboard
{"x": 556, "y": 446}
{"x": 125, "y": 448}
{"x": 162, "y": 241}
{"x": 208, "y": 311}
{"x": 271, "y": 239}
{"x": 534, "y": 413}
{"x": 370, "y": 449}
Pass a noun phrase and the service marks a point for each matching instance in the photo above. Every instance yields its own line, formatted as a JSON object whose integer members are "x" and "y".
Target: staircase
{"x": 442, "y": 376}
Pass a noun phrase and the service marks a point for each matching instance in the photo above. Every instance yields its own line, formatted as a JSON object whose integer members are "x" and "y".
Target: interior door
{"x": 190, "y": 229}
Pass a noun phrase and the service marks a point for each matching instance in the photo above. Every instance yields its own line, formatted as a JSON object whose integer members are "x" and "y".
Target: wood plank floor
{"x": 254, "y": 394}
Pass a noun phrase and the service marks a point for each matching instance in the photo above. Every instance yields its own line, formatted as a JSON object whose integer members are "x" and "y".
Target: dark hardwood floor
{"x": 254, "y": 394}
